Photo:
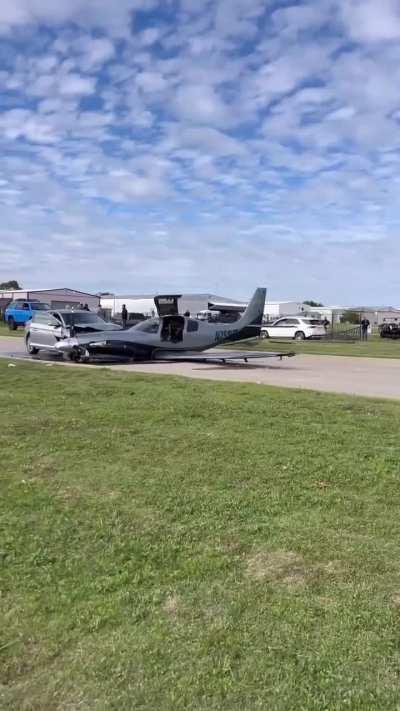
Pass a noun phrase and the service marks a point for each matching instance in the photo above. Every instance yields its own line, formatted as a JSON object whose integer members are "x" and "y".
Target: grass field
{"x": 5, "y": 331}
{"x": 172, "y": 544}
{"x": 375, "y": 347}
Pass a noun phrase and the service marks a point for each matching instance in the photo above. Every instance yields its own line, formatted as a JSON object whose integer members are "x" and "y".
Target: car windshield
{"x": 40, "y": 307}
{"x": 74, "y": 318}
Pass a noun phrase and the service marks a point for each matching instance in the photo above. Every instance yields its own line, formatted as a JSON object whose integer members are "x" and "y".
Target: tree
{"x": 350, "y": 317}
{"x": 12, "y": 284}
{"x": 310, "y": 302}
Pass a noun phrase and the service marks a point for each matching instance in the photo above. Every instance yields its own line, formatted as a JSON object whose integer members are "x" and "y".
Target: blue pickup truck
{"x": 19, "y": 312}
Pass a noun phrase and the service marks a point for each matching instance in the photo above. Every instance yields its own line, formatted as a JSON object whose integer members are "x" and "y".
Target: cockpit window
{"x": 150, "y": 326}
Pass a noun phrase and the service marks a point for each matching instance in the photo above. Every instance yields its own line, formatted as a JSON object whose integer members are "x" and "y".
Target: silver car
{"x": 47, "y": 328}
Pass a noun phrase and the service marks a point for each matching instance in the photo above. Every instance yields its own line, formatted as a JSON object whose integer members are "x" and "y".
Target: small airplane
{"x": 173, "y": 337}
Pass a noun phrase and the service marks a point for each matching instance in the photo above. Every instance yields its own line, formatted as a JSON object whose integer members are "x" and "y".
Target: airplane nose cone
{"x": 66, "y": 344}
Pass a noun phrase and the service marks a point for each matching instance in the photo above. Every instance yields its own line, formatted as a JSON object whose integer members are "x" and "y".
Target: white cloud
{"x": 292, "y": 20}
{"x": 92, "y": 119}
{"x": 371, "y": 21}
{"x": 210, "y": 140}
{"x": 150, "y": 36}
{"x": 20, "y": 123}
{"x": 201, "y": 104}
{"x": 288, "y": 71}
{"x": 113, "y": 17}
{"x": 46, "y": 64}
{"x": 238, "y": 18}
{"x": 43, "y": 85}
{"x": 151, "y": 82}
{"x": 58, "y": 105}
{"x": 76, "y": 85}
{"x": 346, "y": 112}
{"x": 95, "y": 51}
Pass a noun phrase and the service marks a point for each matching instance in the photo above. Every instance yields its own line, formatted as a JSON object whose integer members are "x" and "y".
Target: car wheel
{"x": 264, "y": 334}
{"x": 299, "y": 336}
{"x": 11, "y": 324}
{"x": 32, "y": 350}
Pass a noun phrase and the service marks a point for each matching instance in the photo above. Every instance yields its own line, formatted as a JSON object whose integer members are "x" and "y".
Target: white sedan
{"x": 294, "y": 327}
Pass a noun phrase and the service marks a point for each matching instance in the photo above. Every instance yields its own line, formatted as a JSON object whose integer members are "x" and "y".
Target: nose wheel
{"x": 79, "y": 355}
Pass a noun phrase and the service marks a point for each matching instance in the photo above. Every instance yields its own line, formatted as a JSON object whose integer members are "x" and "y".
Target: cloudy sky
{"x": 202, "y": 145}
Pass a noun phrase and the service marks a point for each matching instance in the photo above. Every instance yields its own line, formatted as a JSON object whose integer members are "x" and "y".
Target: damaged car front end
{"x": 67, "y": 332}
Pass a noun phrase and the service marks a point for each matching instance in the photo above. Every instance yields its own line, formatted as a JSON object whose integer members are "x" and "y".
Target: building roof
{"x": 139, "y": 297}
{"x": 377, "y": 309}
{"x": 58, "y": 288}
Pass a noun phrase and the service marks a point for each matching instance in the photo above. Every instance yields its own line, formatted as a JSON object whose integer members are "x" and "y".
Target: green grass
{"x": 375, "y": 347}
{"x": 5, "y": 331}
{"x": 175, "y": 544}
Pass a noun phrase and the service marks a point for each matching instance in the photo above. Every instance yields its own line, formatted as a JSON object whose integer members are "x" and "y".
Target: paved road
{"x": 375, "y": 377}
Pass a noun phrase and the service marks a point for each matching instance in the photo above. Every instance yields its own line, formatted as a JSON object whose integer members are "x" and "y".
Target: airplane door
{"x": 167, "y": 305}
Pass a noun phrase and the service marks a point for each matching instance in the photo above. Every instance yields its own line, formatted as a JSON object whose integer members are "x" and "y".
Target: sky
{"x": 202, "y": 145}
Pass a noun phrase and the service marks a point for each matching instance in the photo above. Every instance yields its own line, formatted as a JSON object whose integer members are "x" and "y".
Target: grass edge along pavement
{"x": 375, "y": 347}
{"x": 176, "y": 544}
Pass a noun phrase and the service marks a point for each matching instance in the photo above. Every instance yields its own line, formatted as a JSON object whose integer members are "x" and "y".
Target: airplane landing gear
{"x": 79, "y": 355}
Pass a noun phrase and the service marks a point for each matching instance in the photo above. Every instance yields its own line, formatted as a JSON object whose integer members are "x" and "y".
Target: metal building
{"x": 275, "y": 309}
{"x": 144, "y": 304}
{"x": 57, "y": 298}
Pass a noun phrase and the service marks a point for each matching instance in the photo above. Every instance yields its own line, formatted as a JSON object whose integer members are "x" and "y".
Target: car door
{"x": 55, "y": 328}
{"x": 37, "y": 329}
{"x": 278, "y": 329}
{"x": 45, "y": 329}
{"x": 292, "y": 326}
{"x": 23, "y": 313}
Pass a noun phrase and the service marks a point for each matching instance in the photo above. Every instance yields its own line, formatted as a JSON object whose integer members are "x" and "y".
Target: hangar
{"x": 111, "y": 304}
{"x": 57, "y": 298}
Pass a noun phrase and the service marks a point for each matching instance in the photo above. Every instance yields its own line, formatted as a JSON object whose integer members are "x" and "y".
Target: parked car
{"x": 48, "y": 327}
{"x": 389, "y": 330}
{"x": 19, "y": 312}
{"x": 294, "y": 327}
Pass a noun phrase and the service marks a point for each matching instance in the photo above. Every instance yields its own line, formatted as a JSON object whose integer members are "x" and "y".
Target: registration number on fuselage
{"x": 223, "y": 335}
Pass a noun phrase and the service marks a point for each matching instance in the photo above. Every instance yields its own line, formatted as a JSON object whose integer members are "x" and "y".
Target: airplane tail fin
{"x": 250, "y": 323}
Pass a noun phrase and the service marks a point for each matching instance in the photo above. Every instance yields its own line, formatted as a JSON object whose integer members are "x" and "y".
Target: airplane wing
{"x": 220, "y": 356}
